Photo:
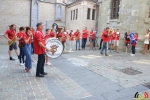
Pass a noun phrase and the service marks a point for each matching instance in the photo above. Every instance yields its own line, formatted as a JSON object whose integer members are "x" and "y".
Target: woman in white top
{"x": 146, "y": 42}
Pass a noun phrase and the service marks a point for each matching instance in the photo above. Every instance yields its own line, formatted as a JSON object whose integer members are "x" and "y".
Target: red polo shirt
{"x": 25, "y": 37}
{"x": 62, "y": 36}
{"x": 39, "y": 37}
{"x": 85, "y": 34}
{"x": 105, "y": 36}
{"x": 52, "y": 34}
{"x": 10, "y": 33}
{"x": 117, "y": 36}
{"x": 92, "y": 35}
{"x": 77, "y": 35}
{"x": 19, "y": 35}
{"x": 71, "y": 36}
{"x": 136, "y": 38}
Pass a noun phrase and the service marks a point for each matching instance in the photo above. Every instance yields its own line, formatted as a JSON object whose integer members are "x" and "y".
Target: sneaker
{"x": 117, "y": 51}
{"x": 49, "y": 64}
{"x": 21, "y": 64}
{"x": 132, "y": 54}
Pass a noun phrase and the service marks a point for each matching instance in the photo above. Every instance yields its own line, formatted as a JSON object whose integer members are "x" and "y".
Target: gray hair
{"x": 38, "y": 24}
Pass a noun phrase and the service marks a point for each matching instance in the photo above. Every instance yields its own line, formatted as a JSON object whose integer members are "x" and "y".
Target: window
{"x": 115, "y": 9}
{"x": 149, "y": 13}
{"x": 71, "y": 15}
{"x": 88, "y": 13}
{"x": 76, "y": 14}
{"x": 93, "y": 14}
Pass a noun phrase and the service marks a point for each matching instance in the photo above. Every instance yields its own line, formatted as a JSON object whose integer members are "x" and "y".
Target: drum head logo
{"x": 55, "y": 46}
{"x": 53, "y": 49}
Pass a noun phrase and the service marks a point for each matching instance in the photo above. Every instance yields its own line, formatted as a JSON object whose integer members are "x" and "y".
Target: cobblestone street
{"x": 76, "y": 75}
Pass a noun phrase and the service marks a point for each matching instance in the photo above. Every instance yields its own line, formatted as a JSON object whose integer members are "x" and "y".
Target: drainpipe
{"x": 30, "y": 12}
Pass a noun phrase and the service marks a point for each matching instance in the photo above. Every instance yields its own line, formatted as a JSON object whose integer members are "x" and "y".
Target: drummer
{"x": 49, "y": 34}
{"x": 39, "y": 45}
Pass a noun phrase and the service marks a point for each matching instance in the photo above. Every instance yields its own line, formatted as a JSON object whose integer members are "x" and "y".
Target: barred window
{"x": 115, "y": 9}
{"x": 88, "y": 13}
{"x": 93, "y": 14}
{"x": 71, "y": 15}
{"x": 149, "y": 13}
{"x": 76, "y": 14}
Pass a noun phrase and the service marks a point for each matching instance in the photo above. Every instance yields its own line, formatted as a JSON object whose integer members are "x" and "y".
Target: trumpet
{"x": 13, "y": 40}
{"x": 111, "y": 31}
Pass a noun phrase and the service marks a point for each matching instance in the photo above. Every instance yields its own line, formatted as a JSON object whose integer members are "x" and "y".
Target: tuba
{"x": 13, "y": 40}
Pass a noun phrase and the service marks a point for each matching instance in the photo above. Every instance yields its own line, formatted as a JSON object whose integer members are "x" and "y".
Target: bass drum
{"x": 55, "y": 46}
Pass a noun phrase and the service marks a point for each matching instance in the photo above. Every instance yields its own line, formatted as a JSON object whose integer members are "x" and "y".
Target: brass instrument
{"x": 12, "y": 41}
{"x": 111, "y": 31}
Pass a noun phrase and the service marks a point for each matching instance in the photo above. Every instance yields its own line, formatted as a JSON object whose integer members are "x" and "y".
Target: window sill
{"x": 113, "y": 20}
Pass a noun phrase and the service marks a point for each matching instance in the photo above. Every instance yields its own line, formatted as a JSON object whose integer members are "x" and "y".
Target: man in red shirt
{"x": 116, "y": 40}
{"x": 84, "y": 37}
{"x": 10, "y": 34}
{"x": 62, "y": 37}
{"x": 39, "y": 48}
{"x": 92, "y": 36}
{"x": 105, "y": 36}
{"x": 77, "y": 38}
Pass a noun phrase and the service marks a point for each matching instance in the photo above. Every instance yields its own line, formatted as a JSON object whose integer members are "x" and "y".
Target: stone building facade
{"x": 133, "y": 16}
{"x": 81, "y": 14}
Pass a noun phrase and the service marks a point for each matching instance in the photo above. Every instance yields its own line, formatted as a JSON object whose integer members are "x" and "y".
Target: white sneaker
{"x": 49, "y": 64}
{"x": 21, "y": 64}
{"x": 33, "y": 60}
{"x": 132, "y": 54}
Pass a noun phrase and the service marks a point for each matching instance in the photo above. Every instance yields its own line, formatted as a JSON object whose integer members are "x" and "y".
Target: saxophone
{"x": 13, "y": 40}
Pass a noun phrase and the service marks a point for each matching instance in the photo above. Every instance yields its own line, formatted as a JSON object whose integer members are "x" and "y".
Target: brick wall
{"x": 14, "y": 12}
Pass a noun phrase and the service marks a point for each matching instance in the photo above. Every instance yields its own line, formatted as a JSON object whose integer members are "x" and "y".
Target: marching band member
{"x": 84, "y": 37}
{"x": 71, "y": 38}
{"x": 77, "y": 38}
{"x": 105, "y": 37}
{"x": 21, "y": 44}
{"x": 27, "y": 37}
{"x": 62, "y": 37}
{"x": 116, "y": 40}
{"x": 111, "y": 42}
{"x": 32, "y": 43}
{"x": 92, "y": 36}
{"x": 39, "y": 48}
{"x": 52, "y": 33}
{"x": 127, "y": 41}
{"x": 10, "y": 35}
{"x": 49, "y": 34}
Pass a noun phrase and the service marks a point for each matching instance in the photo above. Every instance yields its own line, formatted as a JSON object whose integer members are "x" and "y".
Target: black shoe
{"x": 19, "y": 57}
{"x": 106, "y": 55}
{"x": 79, "y": 49}
{"x": 11, "y": 58}
{"x": 101, "y": 53}
{"x": 44, "y": 73}
{"x": 39, "y": 75}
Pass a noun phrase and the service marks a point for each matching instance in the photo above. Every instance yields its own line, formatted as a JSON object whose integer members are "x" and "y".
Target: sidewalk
{"x": 76, "y": 75}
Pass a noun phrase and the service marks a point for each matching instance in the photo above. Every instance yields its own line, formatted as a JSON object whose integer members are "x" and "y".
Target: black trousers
{"x": 101, "y": 43}
{"x": 40, "y": 64}
{"x": 32, "y": 49}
